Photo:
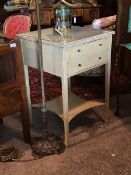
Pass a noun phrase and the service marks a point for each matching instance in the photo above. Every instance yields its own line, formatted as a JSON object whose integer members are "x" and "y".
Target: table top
{"x": 77, "y": 35}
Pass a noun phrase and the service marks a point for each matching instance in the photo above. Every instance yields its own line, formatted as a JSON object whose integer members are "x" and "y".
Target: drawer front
{"x": 77, "y": 12}
{"x": 45, "y": 17}
{"x": 88, "y": 48}
{"x": 80, "y": 64}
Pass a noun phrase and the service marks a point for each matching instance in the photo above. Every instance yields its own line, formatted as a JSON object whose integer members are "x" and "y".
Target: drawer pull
{"x": 100, "y": 44}
{"x": 78, "y": 50}
{"x": 79, "y": 65}
{"x": 100, "y": 58}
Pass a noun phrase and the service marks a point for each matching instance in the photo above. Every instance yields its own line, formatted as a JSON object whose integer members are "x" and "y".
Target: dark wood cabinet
{"x": 86, "y": 14}
{"x": 46, "y": 16}
{"x": 13, "y": 96}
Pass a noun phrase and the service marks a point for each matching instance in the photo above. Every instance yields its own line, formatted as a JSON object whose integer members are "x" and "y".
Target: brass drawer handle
{"x": 100, "y": 58}
{"x": 78, "y": 50}
{"x": 79, "y": 65}
{"x": 100, "y": 44}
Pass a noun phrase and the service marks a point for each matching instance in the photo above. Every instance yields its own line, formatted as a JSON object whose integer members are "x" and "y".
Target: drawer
{"x": 80, "y": 64}
{"x": 45, "y": 17}
{"x": 88, "y": 48}
{"x": 77, "y": 12}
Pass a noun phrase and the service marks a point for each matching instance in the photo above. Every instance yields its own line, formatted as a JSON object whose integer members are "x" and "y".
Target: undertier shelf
{"x": 76, "y": 105}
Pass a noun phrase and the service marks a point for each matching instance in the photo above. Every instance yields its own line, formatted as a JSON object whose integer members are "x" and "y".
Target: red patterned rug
{"x": 86, "y": 87}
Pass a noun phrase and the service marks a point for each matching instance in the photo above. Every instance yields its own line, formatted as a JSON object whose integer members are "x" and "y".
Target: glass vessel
{"x": 62, "y": 14}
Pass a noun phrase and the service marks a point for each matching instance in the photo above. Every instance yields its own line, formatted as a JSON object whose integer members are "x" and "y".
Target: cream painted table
{"x": 82, "y": 49}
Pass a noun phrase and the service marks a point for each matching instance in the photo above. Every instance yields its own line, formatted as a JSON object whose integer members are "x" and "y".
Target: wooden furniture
{"x": 46, "y": 14}
{"x": 86, "y": 13}
{"x": 12, "y": 85}
{"x": 122, "y": 51}
{"x": 81, "y": 50}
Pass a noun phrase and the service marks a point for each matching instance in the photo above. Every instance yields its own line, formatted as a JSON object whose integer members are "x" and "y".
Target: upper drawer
{"x": 88, "y": 48}
{"x": 45, "y": 17}
{"x": 77, "y": 12}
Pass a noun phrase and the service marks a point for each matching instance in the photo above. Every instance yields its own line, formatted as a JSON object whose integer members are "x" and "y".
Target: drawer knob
{"x": 79, "y": 65}
{"x": 100, "y": 58}
{"x": 100, "y": 44}
{"x": 78, "y": 50}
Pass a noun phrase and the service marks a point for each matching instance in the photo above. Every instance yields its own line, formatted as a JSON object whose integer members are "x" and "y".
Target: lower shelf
{"x": 76, "y": 105}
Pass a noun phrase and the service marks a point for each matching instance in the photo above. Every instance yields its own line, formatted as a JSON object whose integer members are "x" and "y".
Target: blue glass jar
{"x": 62, "y": 19}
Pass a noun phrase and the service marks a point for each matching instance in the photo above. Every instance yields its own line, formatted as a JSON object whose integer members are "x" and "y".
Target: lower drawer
{"x": 78, "y": 65}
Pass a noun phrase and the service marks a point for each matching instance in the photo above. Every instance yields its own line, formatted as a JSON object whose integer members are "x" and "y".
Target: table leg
{"x": 65, "y": 108}
{"x": 107, "y": 87}
{"x": 28, "y": 90}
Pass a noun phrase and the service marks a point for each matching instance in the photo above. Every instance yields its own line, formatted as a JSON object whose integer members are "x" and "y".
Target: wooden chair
{"x": 12, "y": 83}
{"x": 123, "y": 43}
{"x": 15, "y": 24}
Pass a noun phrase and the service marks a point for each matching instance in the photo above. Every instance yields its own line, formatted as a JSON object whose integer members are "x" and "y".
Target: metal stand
{"x": 47, "y": 144}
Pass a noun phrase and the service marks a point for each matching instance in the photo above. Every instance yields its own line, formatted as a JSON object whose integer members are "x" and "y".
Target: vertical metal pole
{"x": 44, "y": 146}
{"x": 40, "y": 55}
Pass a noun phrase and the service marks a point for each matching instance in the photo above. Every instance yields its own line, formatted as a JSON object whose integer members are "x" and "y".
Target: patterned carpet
{"x": 86, "y": 87}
